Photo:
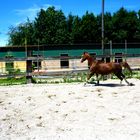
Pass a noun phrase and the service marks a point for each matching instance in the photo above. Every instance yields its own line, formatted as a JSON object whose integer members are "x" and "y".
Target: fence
{"x": 55, "y": 65}
{"x": 34, "y": 60}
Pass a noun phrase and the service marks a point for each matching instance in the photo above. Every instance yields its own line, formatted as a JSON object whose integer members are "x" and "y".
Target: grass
{"x": 77, "y": 77}
{"x": 135, "y": 74}
{"x": 12, "y": 81}
{"x": 81, "y": 77}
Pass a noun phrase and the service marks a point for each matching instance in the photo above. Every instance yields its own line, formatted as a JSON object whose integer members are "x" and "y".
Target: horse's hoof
{"x": 85, "y": 84}
{"x": 131, "y": 84}
{"x": 96, "y": 84}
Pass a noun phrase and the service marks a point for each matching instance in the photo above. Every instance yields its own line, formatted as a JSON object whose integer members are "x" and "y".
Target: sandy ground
{"x": 70, "y": 111}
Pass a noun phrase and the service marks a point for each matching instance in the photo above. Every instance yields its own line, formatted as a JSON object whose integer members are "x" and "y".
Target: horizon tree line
{"x": 51, "y": 26}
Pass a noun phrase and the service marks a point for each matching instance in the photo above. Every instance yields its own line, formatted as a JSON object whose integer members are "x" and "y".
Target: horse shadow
{"x": 109, "y": 84}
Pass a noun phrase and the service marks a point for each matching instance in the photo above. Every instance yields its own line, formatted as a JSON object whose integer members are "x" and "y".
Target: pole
{"x": 26, "y": 47}
{"x": 103, "y": 34}
{"x": 38, "y": 56}
{"x": 29, "y": 78}
{"x": 103, "y": 27}
{"x": 111, "y": 50}
{"x": 125, "y": 49}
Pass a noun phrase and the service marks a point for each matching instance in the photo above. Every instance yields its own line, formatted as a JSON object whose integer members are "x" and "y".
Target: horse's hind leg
{"x": 130, "y": 84}
{"x": 123, "y": 76}
{"x": 119, "y": 76}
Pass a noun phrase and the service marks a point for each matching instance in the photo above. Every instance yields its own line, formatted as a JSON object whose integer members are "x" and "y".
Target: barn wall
{"x": 55, "y": 64}
{"x": 20, "y": 65}
{"x": 2, "y": 67}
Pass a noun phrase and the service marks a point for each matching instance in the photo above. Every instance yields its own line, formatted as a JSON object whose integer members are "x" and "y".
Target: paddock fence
{"x": 34, "y": 61}
{"x": 57, "y": 66}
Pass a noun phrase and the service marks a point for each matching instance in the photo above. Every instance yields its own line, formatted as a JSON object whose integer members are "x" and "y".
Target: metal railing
{"x": 57, "y": 69}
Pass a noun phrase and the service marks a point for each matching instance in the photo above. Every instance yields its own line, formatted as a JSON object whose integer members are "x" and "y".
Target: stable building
{"x": 47, "y": 57}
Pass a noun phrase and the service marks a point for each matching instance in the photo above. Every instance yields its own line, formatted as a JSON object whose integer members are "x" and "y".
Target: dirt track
{"x": 70, "y": 111}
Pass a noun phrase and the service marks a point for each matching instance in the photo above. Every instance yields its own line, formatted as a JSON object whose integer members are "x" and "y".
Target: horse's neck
{"x": 91, "y": 61}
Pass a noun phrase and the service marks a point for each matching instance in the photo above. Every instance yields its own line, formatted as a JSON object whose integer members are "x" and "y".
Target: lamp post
{"x": 103, "y": 27}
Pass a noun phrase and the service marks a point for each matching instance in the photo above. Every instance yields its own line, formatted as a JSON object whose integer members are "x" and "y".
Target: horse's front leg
{"x": 88, "y": 77}
{"x": 97, "y": 79}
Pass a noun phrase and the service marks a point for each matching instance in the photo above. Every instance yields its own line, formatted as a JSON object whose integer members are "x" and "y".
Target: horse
{"x": 99, "y": 67}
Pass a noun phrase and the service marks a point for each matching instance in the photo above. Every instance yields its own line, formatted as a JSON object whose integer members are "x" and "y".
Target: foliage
{"x": 12, "y": 81}
{"x": 69, "y": 78}
{"x": 136, "y": 74}
{"x": 79, "y": 77}
{"x": 51, "y": 26}
{"x": 125, "y": 25}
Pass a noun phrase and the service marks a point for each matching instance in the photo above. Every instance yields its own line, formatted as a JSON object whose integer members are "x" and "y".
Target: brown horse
{"x": 99, "y": 67}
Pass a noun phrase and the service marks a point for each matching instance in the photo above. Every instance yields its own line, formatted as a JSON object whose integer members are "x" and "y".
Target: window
{"x": 64, "y": 61}
{"x": 118, "y": 57}
{"x": 36, "y": 65}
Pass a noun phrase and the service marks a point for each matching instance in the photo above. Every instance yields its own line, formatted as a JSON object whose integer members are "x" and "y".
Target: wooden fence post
{"x": 29, "y": 77}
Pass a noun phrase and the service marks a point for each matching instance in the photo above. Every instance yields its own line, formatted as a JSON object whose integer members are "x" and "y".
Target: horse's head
{"x": 84, "y": 56}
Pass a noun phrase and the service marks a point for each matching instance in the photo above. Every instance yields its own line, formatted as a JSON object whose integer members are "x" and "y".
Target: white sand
{"x": 70, "y": 111}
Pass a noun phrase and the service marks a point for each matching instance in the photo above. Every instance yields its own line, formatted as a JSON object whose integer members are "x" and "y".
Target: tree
{"x": 124, "y": 25}
{"x": 51, "y": 26}
{"x": 137, "y": 33}
{"x": 40, "y": 26}
{"x": 14, "y": 36}
{"x": 76, "y": 34}
{"x": 88, "y": 28}
{"x": 108, "y": 26}
{"x": 23, "y": 33}
{"x": 70, "y": 25}
{"x": 61, "y": 32}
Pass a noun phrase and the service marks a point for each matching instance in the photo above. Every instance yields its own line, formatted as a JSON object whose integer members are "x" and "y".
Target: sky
{"x": 14, "y": 12}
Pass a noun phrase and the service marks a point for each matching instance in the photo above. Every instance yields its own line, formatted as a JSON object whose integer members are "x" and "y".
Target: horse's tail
{"x": 126, "y": 65}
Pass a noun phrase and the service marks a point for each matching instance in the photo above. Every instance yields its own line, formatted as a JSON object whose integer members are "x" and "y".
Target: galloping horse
{"x": 99, "y": 67}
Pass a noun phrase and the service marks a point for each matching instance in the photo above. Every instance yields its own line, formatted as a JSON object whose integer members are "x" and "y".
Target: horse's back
{"x": 106, "y": 68}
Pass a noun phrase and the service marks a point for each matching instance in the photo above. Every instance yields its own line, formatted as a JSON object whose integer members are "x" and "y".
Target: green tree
{"x": 61, "y": 31}
{"x": 137, "y": 33}
{"x": 70, "y": 24}
{"x": 21, "y": 34}
{"x": 108, "y": 26}
{"x": 88, "y": 28}
{"x": 76, "y": 34}
{"x": 14, "y": 36}
{"x": 124, "y": 25}
{"x": 40, "y": 26}
{"x": 51, "y": 26}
